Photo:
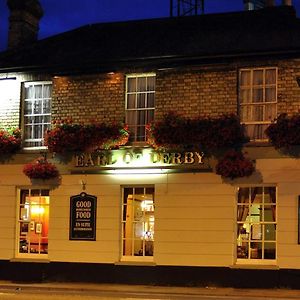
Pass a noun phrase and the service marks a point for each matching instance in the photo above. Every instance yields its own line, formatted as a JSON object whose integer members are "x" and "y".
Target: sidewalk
{"x": 155, "y": 290}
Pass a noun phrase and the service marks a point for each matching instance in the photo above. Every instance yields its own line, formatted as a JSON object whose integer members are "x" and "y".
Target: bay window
{"x": 37, "y": 112}
{"x": 256, "y": 223}
{"x": 257, "y": 100}
{"x": 140, "y": 104}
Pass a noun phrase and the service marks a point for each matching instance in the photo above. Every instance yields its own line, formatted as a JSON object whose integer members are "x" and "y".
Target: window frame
{"x": 44, "y": 124}
{"x": 263, "y": 103}
{"x": 37, "y": 226}
{"x": 136, "y": 108}
{"x": 249, "y": 260}
{"x": 135, "y": 258}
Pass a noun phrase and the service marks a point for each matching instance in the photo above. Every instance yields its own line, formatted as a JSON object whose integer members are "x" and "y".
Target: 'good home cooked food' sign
{"x": 83, "y": 217}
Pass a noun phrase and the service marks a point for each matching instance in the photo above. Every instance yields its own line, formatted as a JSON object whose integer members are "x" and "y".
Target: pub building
{"x": 160, "y": 212}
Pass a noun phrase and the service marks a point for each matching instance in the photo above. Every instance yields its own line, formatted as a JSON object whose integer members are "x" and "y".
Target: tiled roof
{"x": 163, "y": 42}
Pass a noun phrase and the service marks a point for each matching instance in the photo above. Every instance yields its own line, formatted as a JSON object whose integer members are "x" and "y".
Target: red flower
{"x": 67, "y": 137}
{"x": 10, "y": 142}
{"x": 234, "y": 165}
{"x": 41, "y": 169}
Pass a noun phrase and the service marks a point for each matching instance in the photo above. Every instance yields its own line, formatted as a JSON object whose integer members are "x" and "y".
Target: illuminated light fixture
{"x": 137, "y": 171}
{"x": 37, "y": 210}
{"x": 111, "y": 73}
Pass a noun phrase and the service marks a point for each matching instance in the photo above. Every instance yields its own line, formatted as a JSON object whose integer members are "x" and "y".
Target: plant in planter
{"x": 234, "y": 164}
{"x": 67, "y": 137}
{"x": 285, "y": 132}
{"x": 208, "y": 134}
{"x": 10, "y": 141}
{"x": 41, "y": 168}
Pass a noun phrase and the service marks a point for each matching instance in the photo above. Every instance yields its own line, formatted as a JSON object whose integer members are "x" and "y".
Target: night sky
{"x": 64, "y": 15}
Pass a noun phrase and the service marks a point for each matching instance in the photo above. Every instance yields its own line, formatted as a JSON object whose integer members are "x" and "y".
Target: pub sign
{"x": 83, "y": 217}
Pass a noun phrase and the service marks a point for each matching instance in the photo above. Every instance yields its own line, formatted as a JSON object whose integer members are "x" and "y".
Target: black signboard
{"x": 83, "y": 217}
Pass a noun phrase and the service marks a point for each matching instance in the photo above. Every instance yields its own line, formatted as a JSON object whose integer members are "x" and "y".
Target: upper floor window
{"x": 257, "y": 100}
{"x": 140, "y": 104}
{"x": 37, "y": 112}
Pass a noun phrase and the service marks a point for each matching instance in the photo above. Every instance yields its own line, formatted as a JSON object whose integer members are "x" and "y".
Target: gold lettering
{"x": 166, "y": 158}
{"x": 189, "y": 158}
{"x": 155, "y": 157}
{"x": 176, "y": 158}
{"x": 89, "y": 161}
{"x": 200, "y": 157}
{"x": 79, "y": 160}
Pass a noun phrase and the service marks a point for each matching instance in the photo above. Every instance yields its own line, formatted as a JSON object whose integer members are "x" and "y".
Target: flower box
{"x": 67, "y": 137}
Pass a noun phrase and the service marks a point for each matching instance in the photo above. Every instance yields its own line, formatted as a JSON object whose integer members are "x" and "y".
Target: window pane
{"x": 258, "y": 113}
{"x": 150, "y": 116}
{"x": 270, "y": 95}
{"x": 270, "y": 232}
{"x": 270, "y": 251}
{"x": 245, "y": 96}
{"x": 258, "y": 95}
{"x": 270, "y": 76}
{"x": 131, "y": 101}
{"x": 271, "y": 112}
{"x": 246, "y": 113}
{"x": 131, "y": 84}
{"x": 131, "y": 118}
{"x": 141, "y": 100}
{"x": 151, "y": 83}
{"x": 150, "y": 100}
{"x": 47, "y": 106}
{"x": 245, "y": 78}
{"x": 141, "y": 84}
{"x": 258, "y": 77}
{"x": 29, "y": 92}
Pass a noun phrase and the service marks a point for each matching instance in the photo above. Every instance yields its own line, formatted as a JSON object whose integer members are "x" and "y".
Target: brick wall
{"x": 197, "y": 93}
{"x": 205, "y": 91}
{"x": 89, "y": 98}
{"x": 288, "y": 89}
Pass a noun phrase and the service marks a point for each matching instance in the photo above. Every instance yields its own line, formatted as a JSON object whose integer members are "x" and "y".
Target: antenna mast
{"x": 186, "y": 7}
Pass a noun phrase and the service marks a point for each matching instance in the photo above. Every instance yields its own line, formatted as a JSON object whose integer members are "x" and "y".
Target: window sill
{"x": 33, "y": 260}
{"x": 135, "y": 263}
{"x": 255, "y": 266}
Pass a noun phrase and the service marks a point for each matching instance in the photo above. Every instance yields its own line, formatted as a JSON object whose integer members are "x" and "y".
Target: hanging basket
{"x": 41, "y": 169}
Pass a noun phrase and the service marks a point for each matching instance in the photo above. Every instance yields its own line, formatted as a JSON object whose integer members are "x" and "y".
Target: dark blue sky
{"x": 64, "y": 15}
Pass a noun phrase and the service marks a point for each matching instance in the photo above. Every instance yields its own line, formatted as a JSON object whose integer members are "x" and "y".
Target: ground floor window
{"x": 138, "y": 222}
{"x": 33, "y": 222}
{"x": 256, "y": 223}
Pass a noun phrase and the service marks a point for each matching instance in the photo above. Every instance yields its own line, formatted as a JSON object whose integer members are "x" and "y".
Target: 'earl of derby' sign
{"x": 83, "y": 217}
{"x": 140, "y": 158}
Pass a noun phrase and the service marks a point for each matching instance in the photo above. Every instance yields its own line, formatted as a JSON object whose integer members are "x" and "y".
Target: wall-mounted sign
{"x": 141, "y": 158}
{"x": 83, "y": 217}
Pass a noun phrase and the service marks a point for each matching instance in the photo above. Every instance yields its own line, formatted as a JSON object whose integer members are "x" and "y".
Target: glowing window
{"x": 33, "y": 222}
{"x": 138, "y": 221}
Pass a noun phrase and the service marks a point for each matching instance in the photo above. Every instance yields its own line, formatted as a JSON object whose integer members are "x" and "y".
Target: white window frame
{"x": 45, "y": 125}
{"x": 252, "y": 104}
{"x": 133, "y": 133}
{"x": 143, "y": 257}
{"x": 30, "y": 223}
{"x": 249, "y": 260}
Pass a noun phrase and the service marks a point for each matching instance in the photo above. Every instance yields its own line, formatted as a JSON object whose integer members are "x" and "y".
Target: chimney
{"x": 253, "y": 4}
{"x": 287, "y": 2}
{"x": 23, "y": 22}
{"x": 270, "y": 3}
